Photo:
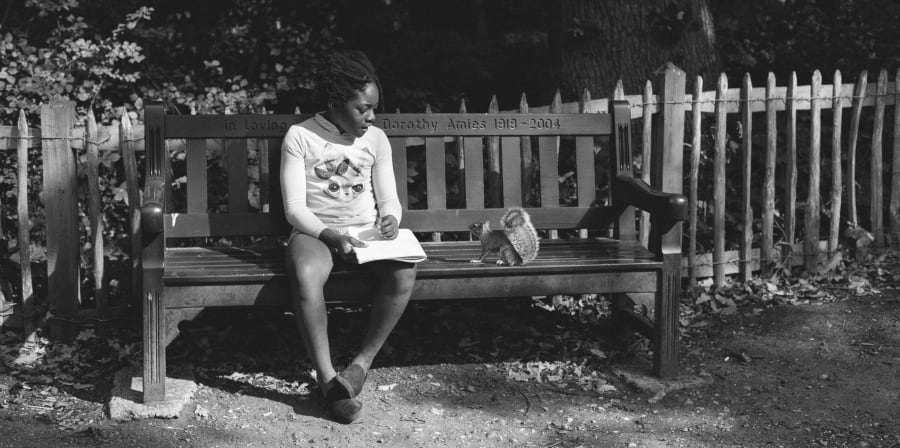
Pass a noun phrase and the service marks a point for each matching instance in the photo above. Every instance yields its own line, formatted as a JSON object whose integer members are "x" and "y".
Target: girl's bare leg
{"x": 308, "y": 264}
{"x": 391, "y": 297}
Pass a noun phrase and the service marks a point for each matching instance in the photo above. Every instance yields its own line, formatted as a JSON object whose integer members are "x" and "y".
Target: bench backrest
{"x": 245, "y": 150}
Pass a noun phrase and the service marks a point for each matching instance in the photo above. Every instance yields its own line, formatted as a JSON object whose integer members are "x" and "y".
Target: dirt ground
{"x": 762, "y": 370}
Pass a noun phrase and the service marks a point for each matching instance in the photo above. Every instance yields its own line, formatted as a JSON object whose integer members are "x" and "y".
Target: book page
{"x": 403, "y": 248}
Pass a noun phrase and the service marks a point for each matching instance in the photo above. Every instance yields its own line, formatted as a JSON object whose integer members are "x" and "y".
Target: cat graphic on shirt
{"x": 347, "y": 186}
{"x": 345, "y": 179}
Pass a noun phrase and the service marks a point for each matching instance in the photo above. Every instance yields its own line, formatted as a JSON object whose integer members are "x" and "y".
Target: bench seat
{"x": 209, "y": 276}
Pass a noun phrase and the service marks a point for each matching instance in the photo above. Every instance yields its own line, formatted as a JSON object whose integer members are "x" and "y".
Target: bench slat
{"x": 435, "y": 173}
{"x": 474, "y": 154}
{"x": 249, "y": 126}
{"x": 511, "y": 157}
{"x": 446, "y": 259}
{"x": 584, "y": 163}
{"x": 355, "y": 288}
{"x": 184, "y": 225}
{"x": 196, "y": 175}
{"x": 236, "y": 153}
{"x": 398, "y": 153}
{"x": 548, "y": 152}
{"x": 273, "y": 172}
{"x": 262, "y": 154}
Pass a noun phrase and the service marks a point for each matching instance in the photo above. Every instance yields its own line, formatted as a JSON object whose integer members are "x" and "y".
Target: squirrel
{"x": 516, "y": 243}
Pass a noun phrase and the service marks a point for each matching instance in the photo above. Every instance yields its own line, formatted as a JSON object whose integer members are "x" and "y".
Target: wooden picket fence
{"x": 778, "y": 106}
{"x": 58, "y": 139}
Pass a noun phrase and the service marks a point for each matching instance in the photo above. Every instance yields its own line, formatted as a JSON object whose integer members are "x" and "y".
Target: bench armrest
{"x": 666, "y": 209}
{"x": 153, "y": 207}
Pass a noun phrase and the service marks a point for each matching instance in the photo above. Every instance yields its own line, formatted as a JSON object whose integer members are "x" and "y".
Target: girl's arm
{"x": 293, "y": 187}
{"x": 384, "y": 183}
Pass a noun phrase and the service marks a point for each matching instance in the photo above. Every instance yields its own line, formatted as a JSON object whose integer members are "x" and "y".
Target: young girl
{"x": 337, "y": 172}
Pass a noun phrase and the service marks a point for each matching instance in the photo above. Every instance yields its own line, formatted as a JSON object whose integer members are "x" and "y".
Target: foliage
{"x": 73, "y": 61}
{"x": 781, "y": 36}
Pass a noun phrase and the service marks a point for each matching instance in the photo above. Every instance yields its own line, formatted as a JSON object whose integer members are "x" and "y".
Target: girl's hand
{"x": 387, "y": 226}
{"x": 342, "y": 243}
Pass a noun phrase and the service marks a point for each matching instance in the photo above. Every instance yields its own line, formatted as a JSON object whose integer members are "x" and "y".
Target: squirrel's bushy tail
{"x": 521, "y": 233}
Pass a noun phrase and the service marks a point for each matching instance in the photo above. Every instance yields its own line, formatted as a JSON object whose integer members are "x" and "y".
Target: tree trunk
{"x": 596, "y": 43}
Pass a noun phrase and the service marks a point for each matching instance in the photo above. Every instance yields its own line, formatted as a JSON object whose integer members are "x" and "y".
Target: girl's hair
{"x": 343, "y": 75}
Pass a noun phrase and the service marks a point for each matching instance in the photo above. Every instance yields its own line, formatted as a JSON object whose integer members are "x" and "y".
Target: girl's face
{"x": 358, "y": 113}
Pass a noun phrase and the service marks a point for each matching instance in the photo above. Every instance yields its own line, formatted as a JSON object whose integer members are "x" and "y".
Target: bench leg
{"x": 154, "y": 344}
{"x": 665, "y": 336}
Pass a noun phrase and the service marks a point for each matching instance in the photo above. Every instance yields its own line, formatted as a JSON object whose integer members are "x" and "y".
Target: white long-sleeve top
{"x": 330, "y": 179}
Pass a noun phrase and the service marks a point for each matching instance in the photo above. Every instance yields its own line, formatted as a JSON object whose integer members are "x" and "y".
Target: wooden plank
{"x": 790, "y": 201}
{"x": 236, "y": 153}
{"x": 275, "y": 198}
{"x": 129, "y": 161}
{"x": 693, "y": 176}
{"x": 646, "y": 162}
{"x": 667, "y": 175}
{"x": 584, "y": 171}
{"x": 24, "y": 243}
{"x": 398, "y": 156}
{"x": 196, "y": 176}
{"x": 585, "y": 167}
{"x": 621, "y": 161}
{"x": 341, "y": 289}
{"x": 95, "y": 215}
{"x": 493, "y": 183}
{"x": 876, "y": 208}
{"x": 511, "y": 156}
{"x": 513, "y": 124}
{"x": 182, "y": 225}
{"x": 768, "y": 202}
{"x": 460, "y": 151}
{"x": 474, "y": 174}
{"x": 855, "y": 115}
{"x": 435, "y": 174}
{"x": 836, "y": 175}
{"x": 811, "y": 239}
{"x": 10, "y": 136}
{"x": 421, "y": 125}
{"x": 894, "y": 215}
{"x": 792, "y": 257}
{"x": 528, "y": 162}
{"x": 746, "y": 173}
{"x": 60, "y": 186}
{"x": 719, "y": 185}
{"x": 230, "y": 126}
{"x": 548, "y": 153}
{"x": 264, "y": 170}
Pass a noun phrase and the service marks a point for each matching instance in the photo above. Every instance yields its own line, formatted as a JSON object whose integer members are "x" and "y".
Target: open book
{"x": 403, "y": 248}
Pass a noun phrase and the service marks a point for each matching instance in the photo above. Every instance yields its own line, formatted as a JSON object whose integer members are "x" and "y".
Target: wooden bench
{"x": 182, "y": 278}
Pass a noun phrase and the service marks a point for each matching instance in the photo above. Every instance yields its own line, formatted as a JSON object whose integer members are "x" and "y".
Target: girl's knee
{"x": 309, "y": 264}
{"x": 403, "y": 278}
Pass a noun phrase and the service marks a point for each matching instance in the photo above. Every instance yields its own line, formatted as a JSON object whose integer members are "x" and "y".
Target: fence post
{"x": 813, "y": 199}
{"x": 95, "y": 213}
{"x": 876, "y": 187}
{"x": 667, "y": 174}
{"x": 646, "y": 157}
{"x": 719, "y": 184}
{"x": 894, "y": 210}
{"x": 60, "y": 184}
{"x": 746, "y": 263}
{"x": 129, "y": 160}
{"x": 24, "y": 226}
